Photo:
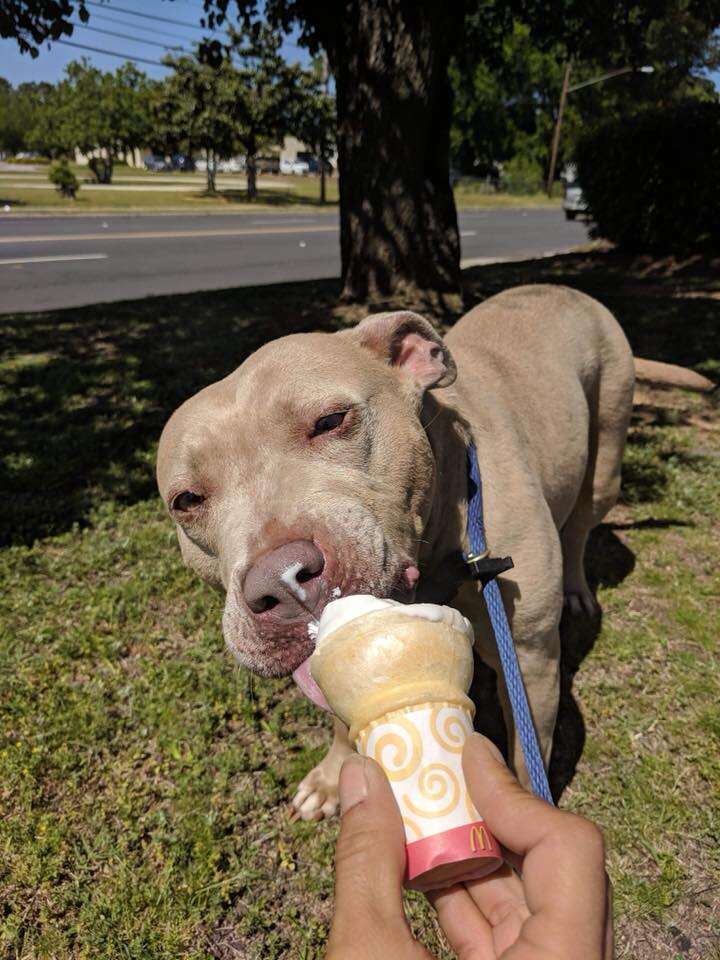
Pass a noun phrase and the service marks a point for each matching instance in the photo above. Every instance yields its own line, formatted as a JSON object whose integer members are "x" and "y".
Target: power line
{"x": 145, "y": 16}
{"x": 113, "y": 53}
{"x": 136, "y": 26}
{"x": 127, "y": 36}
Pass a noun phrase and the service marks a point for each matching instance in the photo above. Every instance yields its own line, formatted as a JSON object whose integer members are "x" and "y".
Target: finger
{"x": 369, "y": 860}
{"x": 501, "y": 900}
{"x": 515, "y": 817}
{"x": 563, "y": 866}
{"x": 467, "y": 931}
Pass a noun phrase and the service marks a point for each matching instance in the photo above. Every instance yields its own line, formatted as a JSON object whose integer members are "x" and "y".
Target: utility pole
{"x": 558, "y": 125}
{"x": 566, "y": 89}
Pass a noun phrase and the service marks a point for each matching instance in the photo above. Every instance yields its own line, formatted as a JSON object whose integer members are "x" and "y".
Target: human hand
{"x": 556, "y": 908}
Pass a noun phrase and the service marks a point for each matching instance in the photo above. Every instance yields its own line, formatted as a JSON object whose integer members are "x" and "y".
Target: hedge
{"x": 652, "y": 180}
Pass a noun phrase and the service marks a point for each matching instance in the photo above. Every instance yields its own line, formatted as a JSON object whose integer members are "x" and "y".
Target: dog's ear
{"x": 408, "y": 341}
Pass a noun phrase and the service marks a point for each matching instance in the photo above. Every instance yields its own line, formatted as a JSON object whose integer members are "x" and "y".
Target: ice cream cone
{"x": 398, "y": 676}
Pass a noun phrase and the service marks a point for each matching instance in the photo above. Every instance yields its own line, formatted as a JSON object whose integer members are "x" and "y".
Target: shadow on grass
{"x": 84, "y": 392}
{"x": 273, "y": 198}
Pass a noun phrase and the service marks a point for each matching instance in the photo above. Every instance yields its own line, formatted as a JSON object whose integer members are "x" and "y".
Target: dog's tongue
{"x": 303, "y": 678}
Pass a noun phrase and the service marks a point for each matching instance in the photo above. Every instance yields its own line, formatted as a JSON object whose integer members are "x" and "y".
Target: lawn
{"x": 146, "y": 779}
{"x": 273, "y": 192}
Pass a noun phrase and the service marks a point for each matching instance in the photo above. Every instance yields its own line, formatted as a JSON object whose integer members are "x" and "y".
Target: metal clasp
{"x": 485, "y": 568}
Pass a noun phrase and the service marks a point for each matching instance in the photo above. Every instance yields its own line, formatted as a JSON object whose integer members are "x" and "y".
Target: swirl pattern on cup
{"x": 399, "y": 752}
{"x": 437, "y": 784}
{"x": 420, "y": 750}
{"x": 450, "y": 727}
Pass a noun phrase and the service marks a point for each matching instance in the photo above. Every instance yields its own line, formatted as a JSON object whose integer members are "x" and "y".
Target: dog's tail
{"x": 669, "y": 375}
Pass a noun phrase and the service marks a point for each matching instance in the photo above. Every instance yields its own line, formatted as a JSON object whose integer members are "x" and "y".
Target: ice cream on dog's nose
{"x": 398, "y": 676}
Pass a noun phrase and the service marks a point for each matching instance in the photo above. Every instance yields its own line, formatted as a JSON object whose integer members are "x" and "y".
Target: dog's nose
{"x": 286, "y": 581}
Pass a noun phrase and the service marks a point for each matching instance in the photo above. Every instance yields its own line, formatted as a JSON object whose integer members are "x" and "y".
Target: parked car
{"x": 156, "y": 163}
{"x": 314, "y": 165}
{"x": 296, "y": 168}
{"x": 231, "y": 165}
{"x": 201, "y": 164}
{"x": 573, "y": 201}
{"x": 182, "y": 161}
{"x": 269, "y": 164}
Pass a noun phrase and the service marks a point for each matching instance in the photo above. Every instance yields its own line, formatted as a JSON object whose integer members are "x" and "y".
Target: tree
{"x": 316, "y": 119}
{"x": 12, "y": 130}
{"x": 103, "y": 115}
{"x": 193, "y": 110}
{"x": 244, "y": 103}
{"x": 268, "y": 94}
{"x": 52, "y": 133}
{"x": 504, "y": 109}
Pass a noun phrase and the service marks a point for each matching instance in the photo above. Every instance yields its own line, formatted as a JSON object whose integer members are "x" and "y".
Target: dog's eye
{"x": 330, "y": 422}
{"x": 186, "y": 501}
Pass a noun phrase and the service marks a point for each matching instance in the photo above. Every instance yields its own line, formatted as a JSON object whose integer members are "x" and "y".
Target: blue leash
{"x": 485, "y": 569}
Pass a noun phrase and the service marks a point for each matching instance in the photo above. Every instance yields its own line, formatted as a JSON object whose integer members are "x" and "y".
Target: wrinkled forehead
{"x": 302, "y": 369}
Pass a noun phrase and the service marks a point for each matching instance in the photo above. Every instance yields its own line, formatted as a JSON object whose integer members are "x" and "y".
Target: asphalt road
{"x": 54, "y": 262}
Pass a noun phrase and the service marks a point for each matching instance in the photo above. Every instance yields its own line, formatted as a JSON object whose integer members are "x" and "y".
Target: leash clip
{"x": 485, "y": 568}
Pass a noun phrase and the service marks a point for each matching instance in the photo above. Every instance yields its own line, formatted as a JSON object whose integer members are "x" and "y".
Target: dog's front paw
{"x": 317, "y": 795}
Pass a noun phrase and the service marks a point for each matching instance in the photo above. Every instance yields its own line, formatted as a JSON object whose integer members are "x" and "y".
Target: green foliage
{"x": 64, "y": 179}
{"x": 13, "y": 119}
{"x": 193, "y": 110}
{"x": 243, "y": 104}
{"x": 505, "y": 109}
{"x": 507, "y": 89}
{"x": 103, "y": 115}
{"x": 314, "y": 121}
{"x": 652, "y": 183}
{"x": 522, "y": 175}
{"x": 34, "y": 23}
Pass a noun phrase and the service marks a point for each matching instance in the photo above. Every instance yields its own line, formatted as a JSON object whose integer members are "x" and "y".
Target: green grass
{"x": 143, "y": 802}
{"x": 304, "y": 192}
{"x": 295, "y": 191}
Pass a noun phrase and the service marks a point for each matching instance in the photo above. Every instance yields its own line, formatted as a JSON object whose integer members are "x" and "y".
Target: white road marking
{"x": 468, "y": 233}
{"x": 283, "y": 223}
{"x": 77, "y": 256}
{"x": 165, "y": 234}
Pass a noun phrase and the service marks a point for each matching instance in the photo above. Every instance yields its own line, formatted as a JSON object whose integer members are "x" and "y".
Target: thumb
{"x": 369, "y": 858}
{"x": 518, "y": 819}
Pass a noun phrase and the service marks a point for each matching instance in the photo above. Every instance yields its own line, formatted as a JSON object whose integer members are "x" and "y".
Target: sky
{"x": 144, "y": 38}
{"x": 149, "y": 34}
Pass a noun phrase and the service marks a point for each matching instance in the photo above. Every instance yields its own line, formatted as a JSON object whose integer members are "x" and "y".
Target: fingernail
{"x": 353, "y": 783}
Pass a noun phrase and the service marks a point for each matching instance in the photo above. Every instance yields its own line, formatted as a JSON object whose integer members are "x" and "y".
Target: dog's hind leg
{"x": 610, "y": 409}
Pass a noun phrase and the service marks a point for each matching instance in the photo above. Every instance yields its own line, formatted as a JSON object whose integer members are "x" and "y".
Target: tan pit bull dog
{"x": 327, "y": 464}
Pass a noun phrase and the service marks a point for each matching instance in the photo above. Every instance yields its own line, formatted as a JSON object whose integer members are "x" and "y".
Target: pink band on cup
{"x": 472, "y": 847}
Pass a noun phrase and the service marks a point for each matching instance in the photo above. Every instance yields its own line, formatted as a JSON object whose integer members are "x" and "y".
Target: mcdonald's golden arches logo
{"x": 478, "y": 838}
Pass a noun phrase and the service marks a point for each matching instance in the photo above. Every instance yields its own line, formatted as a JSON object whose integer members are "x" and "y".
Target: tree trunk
{"x": 323, "y": 187}
{"x": 211, "y": 170}
{"x": 398, "y": 225}
{"x": 251, "y": 171}
{"x": 102, "y": 168}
